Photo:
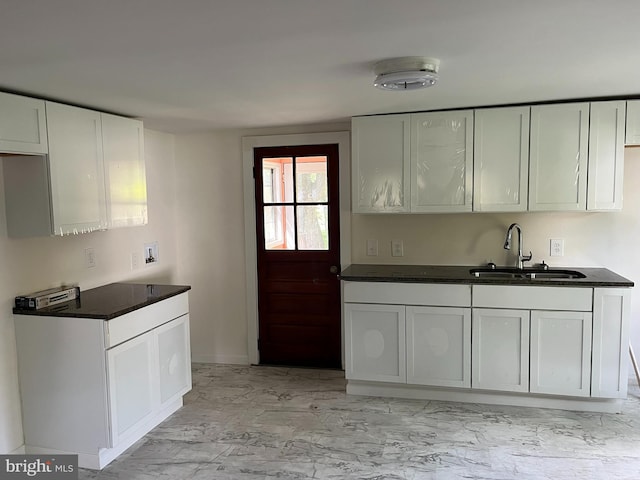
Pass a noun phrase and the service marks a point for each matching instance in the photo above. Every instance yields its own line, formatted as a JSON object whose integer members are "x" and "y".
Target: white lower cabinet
{"x": 560, "y": 347}
{"x": 146, "y": 374}
{"x": 174, "y": 359}
{"x": 132, "y": 384}
{"x": 374, "y": 339}
{"x": 439, "y": 346}
{"x": 98, "y": 385}
{"x": 561, "y": 353}
{"x": 500, "y": 350}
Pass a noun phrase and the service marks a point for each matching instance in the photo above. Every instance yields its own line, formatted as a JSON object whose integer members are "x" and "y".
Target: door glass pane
{"x": 277, "y": 182}
{"x": 279, "y": 228}
{"x": 311, "y": 179}
{"x": 313, "y": 227}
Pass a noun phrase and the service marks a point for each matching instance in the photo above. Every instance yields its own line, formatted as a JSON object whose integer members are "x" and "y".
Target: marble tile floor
{"x": 263, "y": 423}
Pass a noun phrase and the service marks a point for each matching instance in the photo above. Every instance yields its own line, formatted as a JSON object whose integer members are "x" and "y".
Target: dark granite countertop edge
{"x": 459, "y": 274}
{"x": 55, "y": 311}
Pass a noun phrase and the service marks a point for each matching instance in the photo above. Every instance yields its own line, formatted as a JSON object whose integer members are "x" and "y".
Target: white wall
{"x": 210, "y": 232}
{"x": 38, "y": 263}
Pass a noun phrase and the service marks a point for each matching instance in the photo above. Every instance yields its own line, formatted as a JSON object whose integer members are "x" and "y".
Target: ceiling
{"x": 194, "y": 65}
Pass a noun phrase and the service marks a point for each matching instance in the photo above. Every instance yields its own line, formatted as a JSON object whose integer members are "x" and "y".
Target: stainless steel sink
{"x": 528, "y": 273}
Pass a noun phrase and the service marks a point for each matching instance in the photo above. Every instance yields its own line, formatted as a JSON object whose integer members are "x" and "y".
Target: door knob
{"x": 333, "y": 269}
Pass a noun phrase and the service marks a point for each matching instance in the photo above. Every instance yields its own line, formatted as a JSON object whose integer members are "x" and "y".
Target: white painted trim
{"x": 248, "y": 144}
{"x": 18, "y": 451}
{"x": 378, "y": 389}
{"x": 223, "y": 359}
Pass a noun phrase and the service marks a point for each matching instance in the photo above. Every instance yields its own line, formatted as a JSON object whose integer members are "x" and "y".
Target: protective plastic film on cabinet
{"x": 441, "y": 162}
{"x": 381, "y": 164}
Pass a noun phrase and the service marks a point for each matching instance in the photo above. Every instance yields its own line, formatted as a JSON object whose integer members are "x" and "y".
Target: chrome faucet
{"x": 507, "y": 245}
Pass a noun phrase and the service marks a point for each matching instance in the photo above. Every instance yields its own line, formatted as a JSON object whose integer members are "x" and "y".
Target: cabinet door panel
{"x": 174, "y": 359}
{"x": 23, "y": 126}
{"x": 611, "y": 316}
{"x": 77, "y": 174}
{"x": 606, "y": 156}
{"x": 126, "y": 184}
{"x": 500, "y": 350}
{"x": 132, "y": 384}
{"x": 442, "y": 161}
{"x": 561, "y": 353}
{"x": 380, "y": 164}
{"x": 439, "y": 346}
{"x": 558, "y": 157}
{"x": 632, "y": 134}
{"x": 501, "y": 159}
{"x": 375, "y": 342}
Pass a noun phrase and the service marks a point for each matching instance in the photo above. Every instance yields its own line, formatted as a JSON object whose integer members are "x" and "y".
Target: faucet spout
{"x": 507, "y": 245}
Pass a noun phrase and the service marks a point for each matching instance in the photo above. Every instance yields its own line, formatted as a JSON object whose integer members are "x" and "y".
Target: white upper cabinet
{"x": 632, "y": 136}
{"x": 124, "y": 166}
{"x": 441, "y": 161}
{"x": 23, "y": 127}
{"x": 606, "y": 155}
{"x": 380, "y": 164}
{"x": 76, "y": 168}
{"x": 558, "y": 157}
{"x": 501, "y": 159}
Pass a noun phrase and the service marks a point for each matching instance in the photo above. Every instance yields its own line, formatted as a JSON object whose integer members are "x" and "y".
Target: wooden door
{"x": 298, "y": 253}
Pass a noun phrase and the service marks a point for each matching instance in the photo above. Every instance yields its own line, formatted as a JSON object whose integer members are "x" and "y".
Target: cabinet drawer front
{"x": 533, "y": 298}
{"x": 408, "y": 293}
{"x": 139, "y": 321}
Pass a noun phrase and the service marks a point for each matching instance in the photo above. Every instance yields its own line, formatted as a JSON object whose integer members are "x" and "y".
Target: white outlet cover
{"x": 151, "y": 253}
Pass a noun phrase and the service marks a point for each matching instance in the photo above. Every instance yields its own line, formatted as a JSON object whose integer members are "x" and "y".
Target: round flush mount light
{"x": 406, "y": 73}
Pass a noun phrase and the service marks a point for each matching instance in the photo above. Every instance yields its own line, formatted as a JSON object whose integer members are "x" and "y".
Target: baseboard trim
{"x": 18, "y": 451}
{"x": 224, "y": 359}
{"x": 379, "y": 389}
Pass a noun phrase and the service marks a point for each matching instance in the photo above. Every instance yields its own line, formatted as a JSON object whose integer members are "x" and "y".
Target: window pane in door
{"x": 279, "y": 227}
{"x": 277, "y": 180}
{"x": 311, "y": 179}
{"x": 313, "y": 227}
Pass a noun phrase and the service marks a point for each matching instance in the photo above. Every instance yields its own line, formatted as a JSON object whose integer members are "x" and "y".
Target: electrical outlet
{"x": 556, "y": 247}
{"x": 397, "y": 248}
{"x": 135, "y": 260}
{"x": 372, "y": 247}
{"x": 89, "y": 258}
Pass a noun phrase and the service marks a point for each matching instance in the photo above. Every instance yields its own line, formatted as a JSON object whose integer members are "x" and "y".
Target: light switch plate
{"x": 372, "y": 247}
{"x": 397, "y": 248}
{"x": 89, "y": 258}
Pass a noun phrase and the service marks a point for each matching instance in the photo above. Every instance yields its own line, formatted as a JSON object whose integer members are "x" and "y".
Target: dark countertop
{"x": 594, "y": 277}
{"x": 109, "y": 301}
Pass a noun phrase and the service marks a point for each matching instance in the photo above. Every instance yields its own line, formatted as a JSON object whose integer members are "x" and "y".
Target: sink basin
{"x": 530, "y": 273}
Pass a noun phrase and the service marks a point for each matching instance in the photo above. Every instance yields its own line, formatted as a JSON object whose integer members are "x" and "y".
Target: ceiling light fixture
{"x": 406, "y": 73}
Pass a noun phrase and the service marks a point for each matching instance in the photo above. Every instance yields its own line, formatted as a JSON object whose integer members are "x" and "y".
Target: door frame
{"x": 343, "y": 139}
